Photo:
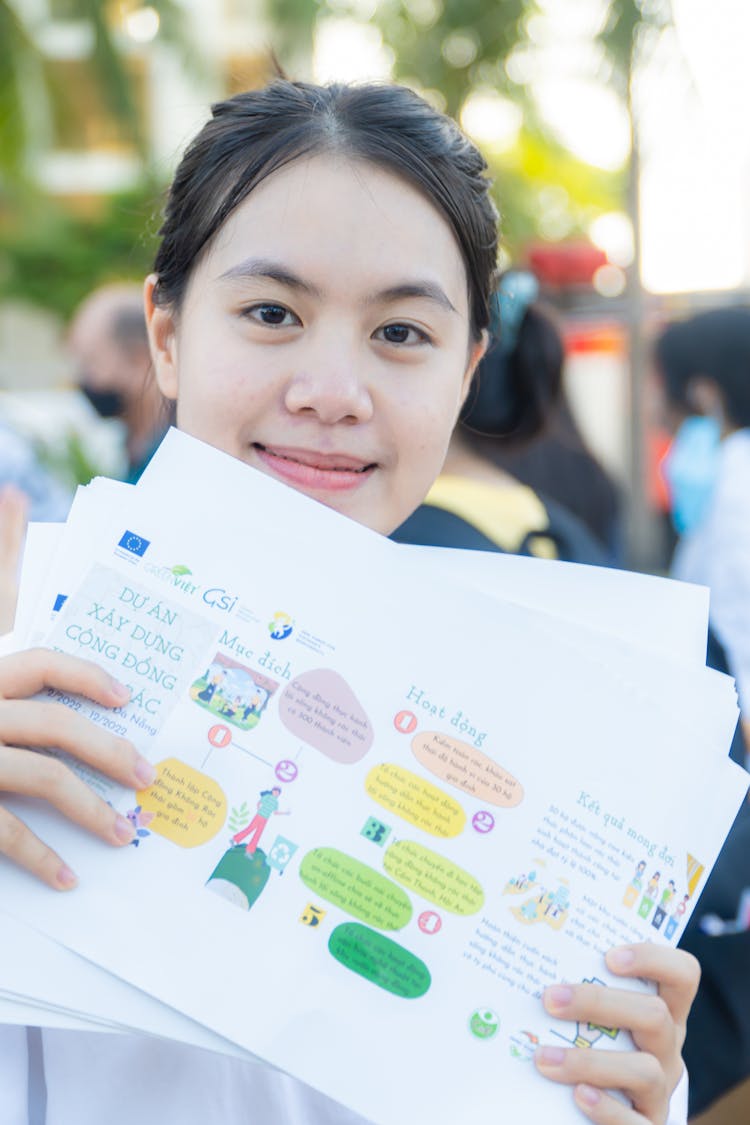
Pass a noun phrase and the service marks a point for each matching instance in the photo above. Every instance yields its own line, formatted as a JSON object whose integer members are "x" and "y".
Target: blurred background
{"x": 614, "y": 129}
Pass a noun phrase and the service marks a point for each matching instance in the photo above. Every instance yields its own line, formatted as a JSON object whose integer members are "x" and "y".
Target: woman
{"x": 318, "y": 307}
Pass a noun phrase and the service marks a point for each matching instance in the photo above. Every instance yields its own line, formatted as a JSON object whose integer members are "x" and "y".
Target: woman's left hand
{"x": 648, "y": 1075}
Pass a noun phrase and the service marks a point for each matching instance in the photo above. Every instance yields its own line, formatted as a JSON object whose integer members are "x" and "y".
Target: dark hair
{"x": 515, "y": 392}
{"x": 255, "y": 133}
{"x": 714, "y": 344}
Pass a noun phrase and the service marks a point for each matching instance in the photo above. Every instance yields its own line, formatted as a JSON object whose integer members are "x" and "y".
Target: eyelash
{"x": 254, "y": 312}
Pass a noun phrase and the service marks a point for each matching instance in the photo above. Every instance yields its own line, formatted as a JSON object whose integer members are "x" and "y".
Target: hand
{"x": 26, "y": 722}
{"x": 648, "y": 1075}
{"x": 13, "y": 511}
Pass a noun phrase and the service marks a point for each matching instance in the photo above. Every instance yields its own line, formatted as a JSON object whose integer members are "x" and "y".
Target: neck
{"x": 463, "y": 461}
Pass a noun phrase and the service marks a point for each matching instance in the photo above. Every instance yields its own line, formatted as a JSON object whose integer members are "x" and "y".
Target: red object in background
{"x": 659, "y": 442}
{"x": 573, "y": 262}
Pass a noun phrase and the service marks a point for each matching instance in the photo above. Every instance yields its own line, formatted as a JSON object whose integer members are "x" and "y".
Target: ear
{"x": 476, "y": 352}
{"x": 162, "y": 338}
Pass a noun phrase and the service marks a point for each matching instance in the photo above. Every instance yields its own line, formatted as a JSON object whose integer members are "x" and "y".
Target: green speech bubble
{"x": 433, "y": 877}
{"x": 380, "y": 960}
{"x": 356, "y": 888}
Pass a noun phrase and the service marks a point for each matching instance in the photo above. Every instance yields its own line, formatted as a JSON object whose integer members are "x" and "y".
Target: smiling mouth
{"x": 310, "y": 470}
{"x": 329, "y": 463}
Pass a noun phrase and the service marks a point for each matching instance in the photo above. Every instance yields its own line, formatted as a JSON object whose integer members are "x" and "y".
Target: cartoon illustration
{"x": 268, "y": 806}
{"x": 676, "y": 916}
{"x": 140, "y": 821}
{"x": 661, "y": 911}
{"x": 588, "y": 1034}
{"x": 243, "y": 871}
{"x": 235, "y": 692}
{"x": 635, "y": 886}
{"x": 649, "y": 895}
{"x": 548, "y": 905}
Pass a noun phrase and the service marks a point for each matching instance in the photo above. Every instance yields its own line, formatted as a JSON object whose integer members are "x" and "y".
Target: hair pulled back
{"x": 254, "y": 134}
{"x": 715, "y": 345}
{"x": 516, "y": 390}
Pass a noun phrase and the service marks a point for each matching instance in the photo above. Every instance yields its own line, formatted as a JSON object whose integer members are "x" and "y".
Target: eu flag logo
{"x": 135, "y": 544}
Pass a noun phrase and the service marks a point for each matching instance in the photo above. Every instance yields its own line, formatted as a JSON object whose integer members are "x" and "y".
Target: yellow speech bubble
{"x": 187, "y": 806}
{"x": 416, "y": 800}
{"x": 467, "y": 769}
{"x": 433, "y": 877}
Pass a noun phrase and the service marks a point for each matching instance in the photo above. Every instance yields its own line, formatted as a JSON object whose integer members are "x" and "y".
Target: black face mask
{"x": 107, "y": 404}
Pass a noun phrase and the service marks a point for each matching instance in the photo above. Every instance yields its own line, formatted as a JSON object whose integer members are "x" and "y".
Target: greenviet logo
{"x": 180, "y": 571}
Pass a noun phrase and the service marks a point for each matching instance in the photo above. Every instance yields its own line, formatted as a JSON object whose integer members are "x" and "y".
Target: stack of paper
{"x": 399, "y": 790}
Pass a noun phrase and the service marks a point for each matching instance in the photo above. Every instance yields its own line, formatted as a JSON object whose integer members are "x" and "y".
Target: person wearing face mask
{"x": 108, "y": 342}
{"x": 703, "y": 367}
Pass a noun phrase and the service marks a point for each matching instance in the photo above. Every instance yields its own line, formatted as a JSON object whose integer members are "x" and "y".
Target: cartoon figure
{"x": 676, "y": 916}
{"x": 649, "y": 896}
{"x": 139, "y": 819}
{"x": 212, "y": 683}
{"x": 268, "y": 806}
{"x": 634, "y": 886}
{"x": 661, "y": 910}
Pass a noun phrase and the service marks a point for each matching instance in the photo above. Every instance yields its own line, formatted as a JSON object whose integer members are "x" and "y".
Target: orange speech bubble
{"x": 467, "y": 769}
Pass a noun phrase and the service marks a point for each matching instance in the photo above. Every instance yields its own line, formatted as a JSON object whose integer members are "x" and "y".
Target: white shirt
{"x": 121, "y": 1079}
{"x": 717, "y": 555}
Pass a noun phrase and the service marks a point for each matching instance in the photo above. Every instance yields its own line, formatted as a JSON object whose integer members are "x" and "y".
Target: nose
{"x": 331, "y": 384}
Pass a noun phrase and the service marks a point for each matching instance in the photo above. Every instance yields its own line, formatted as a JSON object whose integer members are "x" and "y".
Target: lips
{"x": 311, "y": 470}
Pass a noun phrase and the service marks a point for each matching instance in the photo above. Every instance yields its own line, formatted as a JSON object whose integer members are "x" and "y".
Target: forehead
{"x": 334, "y": 213}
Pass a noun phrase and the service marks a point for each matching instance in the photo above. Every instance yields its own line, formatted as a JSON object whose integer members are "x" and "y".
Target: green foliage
{"x": 52, "y": 259}
{"x": 453, "y": 45}
{"x": 239, "y": 817}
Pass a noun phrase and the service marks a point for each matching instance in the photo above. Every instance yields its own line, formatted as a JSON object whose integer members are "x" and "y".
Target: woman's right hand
{"x": 26, "y": 722}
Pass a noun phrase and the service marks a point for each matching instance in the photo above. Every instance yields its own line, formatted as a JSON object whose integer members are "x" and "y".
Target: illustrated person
{"x": 319, "y": 303}
{"x": 268, "y": 806}
{"x": 213, "y": 682}
{"x": 635, "y": 885}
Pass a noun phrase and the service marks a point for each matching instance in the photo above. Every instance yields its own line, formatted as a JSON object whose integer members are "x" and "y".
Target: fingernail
{"x": 558, "y": 996}
{"x": 121, "y": 691}
{"x": 145, "y": 773}
{"x": 550, "y": 1056}
{"x": 66, "y": 878}
{"x": 621, "y": 958}
{"x": 589, "y": 1095}
{"x": 123, "y": 830}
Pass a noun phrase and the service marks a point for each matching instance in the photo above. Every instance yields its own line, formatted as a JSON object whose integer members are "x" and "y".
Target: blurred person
{"x": 478, "y": 503}
{"x": 108, "y": 341}
{"x": 702, "y": 365}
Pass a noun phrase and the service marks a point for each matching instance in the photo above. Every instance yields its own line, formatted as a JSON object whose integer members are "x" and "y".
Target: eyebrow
{"x": 266, "y": 268}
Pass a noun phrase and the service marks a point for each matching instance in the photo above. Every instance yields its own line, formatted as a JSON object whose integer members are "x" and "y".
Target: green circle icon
{"x": 483, "y": 1023}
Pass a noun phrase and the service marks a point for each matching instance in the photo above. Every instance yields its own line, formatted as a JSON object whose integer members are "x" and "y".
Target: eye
{"x": 271, "y": 314}
{"x": 403, "y": 335}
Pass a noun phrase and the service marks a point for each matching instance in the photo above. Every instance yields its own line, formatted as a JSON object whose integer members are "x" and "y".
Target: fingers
{"x": 604, "y": 1109}
{"x": 18, "y": 843}
{"x": 646, "y": 1016}
{"x": 25, "y": 673}
{"x": 676, "y": 972}
{"x": 637, "y": 1073}
{"x": 24, "y": 723}
{"x": 40, "y": 775}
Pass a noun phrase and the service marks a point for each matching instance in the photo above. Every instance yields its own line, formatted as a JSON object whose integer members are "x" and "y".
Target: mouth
{"x": 313, "y": 471}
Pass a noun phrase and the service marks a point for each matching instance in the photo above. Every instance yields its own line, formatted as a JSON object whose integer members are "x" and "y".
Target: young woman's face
{"x": 324, "y": 338}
